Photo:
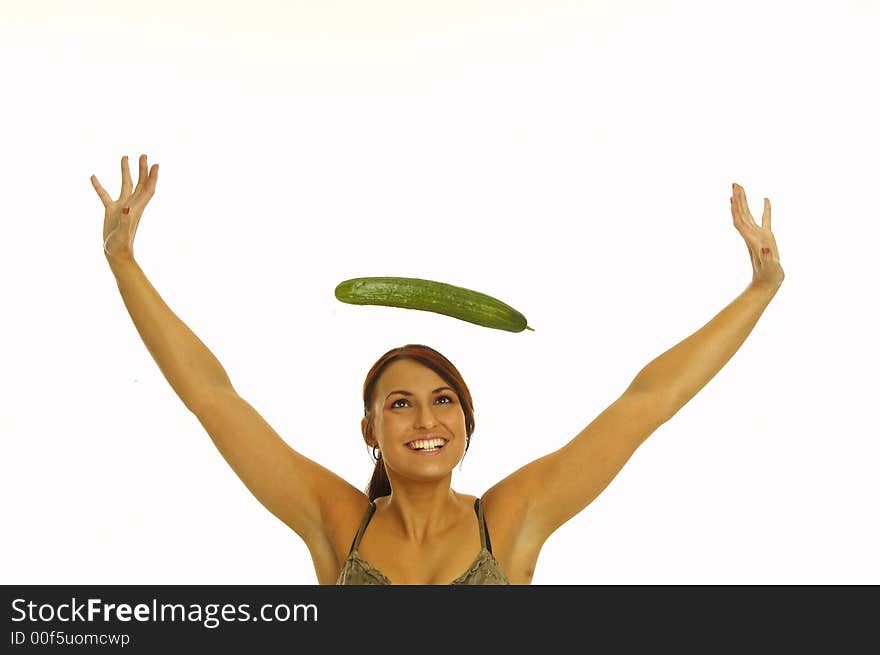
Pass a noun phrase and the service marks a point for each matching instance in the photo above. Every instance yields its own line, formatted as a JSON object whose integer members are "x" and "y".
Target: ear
{"x": 364, "y": 431}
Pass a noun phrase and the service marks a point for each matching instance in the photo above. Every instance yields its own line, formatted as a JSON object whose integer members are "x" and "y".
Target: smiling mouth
{"x": 427, "y": 445}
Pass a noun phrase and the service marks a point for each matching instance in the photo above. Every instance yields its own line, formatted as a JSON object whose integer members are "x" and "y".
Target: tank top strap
{"x": 484, "y": 531}
{"x": 360, "y": 533}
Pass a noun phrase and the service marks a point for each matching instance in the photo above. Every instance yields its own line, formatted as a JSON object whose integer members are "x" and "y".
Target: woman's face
{"x": 412, "y": 403}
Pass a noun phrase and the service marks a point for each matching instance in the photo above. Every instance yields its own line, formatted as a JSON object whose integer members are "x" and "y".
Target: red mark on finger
{"x": 765, "y": 251}
{"x": 125, "y": 210}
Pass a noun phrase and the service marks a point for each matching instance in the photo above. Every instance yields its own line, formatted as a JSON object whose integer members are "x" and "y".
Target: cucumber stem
{"x": 528, "y": 328}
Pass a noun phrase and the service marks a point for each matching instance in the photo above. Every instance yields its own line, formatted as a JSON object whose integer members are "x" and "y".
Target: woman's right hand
{"x": 121, "y": 216}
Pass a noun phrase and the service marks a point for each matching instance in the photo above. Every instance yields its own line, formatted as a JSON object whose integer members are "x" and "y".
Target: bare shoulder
{"x": 514, "y": 546}
{"x": 341, "y": 516}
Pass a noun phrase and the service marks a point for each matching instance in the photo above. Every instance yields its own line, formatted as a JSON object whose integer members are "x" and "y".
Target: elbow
{"x": 659, "y": 402}
{"x": 203, "y": 400}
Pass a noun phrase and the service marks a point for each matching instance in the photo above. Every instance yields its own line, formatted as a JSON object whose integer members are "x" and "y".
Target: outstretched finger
{"x": 152, "y": 178}
{"x": 103, "y": 195}
{"x": 126, "y": 179}
{"x": 765, "y": 217}
{"x": 736, "y": 208}
{"x": 142, "y": 170}
{"x": 739, "y": 195}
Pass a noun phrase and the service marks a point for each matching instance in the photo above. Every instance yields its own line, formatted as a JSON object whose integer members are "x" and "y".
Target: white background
{"x": 573, "y": 159}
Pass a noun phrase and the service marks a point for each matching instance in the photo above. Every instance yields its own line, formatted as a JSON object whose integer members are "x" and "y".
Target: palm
{"x": 121, "y": 216}
{"x": 760, "y": 241}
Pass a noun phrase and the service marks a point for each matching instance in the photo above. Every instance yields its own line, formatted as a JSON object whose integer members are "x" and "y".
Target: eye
{"x": 449, "y": 400}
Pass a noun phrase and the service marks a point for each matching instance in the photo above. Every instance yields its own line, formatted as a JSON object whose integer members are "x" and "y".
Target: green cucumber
{"x": 429, "y": 296}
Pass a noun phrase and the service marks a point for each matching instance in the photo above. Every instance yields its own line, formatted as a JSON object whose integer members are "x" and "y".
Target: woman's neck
{"x": 420, "y": 512}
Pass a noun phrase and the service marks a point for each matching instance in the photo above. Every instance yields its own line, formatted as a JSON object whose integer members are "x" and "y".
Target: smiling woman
{"x": 393, "y": 407}
{"x": 418, "y": 419}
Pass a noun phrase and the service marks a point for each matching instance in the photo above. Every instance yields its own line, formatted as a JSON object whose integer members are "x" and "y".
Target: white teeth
{"x": 426, "y": 444}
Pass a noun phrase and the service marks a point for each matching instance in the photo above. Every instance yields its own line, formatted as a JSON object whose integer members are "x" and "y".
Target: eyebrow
{"x": 407, "y": 393}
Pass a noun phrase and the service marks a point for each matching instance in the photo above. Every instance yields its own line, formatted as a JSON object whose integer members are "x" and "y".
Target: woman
{"x": 418, "y": 419}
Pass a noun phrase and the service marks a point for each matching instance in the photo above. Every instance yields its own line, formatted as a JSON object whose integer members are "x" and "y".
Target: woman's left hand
{"x": 760, "y": 241}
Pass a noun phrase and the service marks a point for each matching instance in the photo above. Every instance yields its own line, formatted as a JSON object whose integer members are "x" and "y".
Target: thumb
{"x": 765, "y": 217}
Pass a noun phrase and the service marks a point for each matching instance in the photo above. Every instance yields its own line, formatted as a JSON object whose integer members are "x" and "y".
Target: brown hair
{"x": 379, "y": 484}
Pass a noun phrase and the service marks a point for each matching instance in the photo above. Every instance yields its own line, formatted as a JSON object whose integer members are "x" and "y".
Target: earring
{"x": 375, "y": 456}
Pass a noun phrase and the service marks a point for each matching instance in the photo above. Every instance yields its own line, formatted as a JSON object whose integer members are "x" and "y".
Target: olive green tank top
{"x": 484, "y": 570}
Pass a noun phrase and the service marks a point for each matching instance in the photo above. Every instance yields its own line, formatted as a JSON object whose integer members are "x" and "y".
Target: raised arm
{"x": 294, "y": 488}
{"x": 549, "y": 491}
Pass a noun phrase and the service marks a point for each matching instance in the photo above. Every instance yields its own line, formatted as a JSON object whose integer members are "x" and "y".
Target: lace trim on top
{"x": 485, "y": 568}
{"x": 366, "y": 567}
{"x": 483, "y": 558}
{"x": 493, "y": 572}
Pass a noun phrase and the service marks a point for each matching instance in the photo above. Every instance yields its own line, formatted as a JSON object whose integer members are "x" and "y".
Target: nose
{"x": 425, "y": 416}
